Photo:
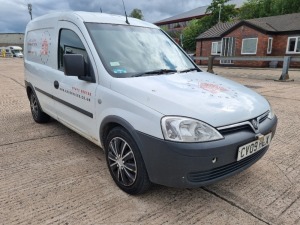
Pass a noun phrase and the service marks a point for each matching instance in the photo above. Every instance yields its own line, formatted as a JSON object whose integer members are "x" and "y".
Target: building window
{"x": 270, "y": 45}
{"x": 293, "y": 45}
{"x": 249, "y": 46}
{"x": 216, "y": 48}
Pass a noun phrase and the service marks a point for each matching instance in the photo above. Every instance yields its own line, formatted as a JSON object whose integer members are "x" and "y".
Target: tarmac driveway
{"x": 51, "y": 175}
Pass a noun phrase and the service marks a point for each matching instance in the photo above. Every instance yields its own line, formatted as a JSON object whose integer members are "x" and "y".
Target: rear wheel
{"x": 125, "y": 162}
{"x": 38, "y": 115}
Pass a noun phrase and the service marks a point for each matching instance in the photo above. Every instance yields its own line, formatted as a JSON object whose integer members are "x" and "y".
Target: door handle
{"x": 56, "y": 84}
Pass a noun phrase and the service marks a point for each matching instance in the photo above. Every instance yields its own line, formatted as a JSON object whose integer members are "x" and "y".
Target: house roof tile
{"x": 275, "y": 24}
{"x": 288, "y": 22}
{"x": 217, "y": 30}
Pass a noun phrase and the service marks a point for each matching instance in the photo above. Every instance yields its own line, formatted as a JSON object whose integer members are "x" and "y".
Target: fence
{"x": 285, "y": 59}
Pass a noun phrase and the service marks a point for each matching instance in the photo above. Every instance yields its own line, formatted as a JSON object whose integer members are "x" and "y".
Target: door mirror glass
{"x": 74, "y": 65}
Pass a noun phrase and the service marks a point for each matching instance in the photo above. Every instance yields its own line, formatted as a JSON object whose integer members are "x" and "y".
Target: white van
{"x": 16, "y": 51}
{"x": 133, "y": 91}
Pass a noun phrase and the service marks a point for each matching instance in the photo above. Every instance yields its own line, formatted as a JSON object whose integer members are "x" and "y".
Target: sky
{"x": 14, "y": 13}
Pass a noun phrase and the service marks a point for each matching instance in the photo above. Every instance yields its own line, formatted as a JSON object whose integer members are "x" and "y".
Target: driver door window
{"x": 70, "y": 43}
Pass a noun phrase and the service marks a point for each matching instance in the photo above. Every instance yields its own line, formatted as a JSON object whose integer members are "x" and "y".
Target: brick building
{"x": 180, "y": 21}
{"x": 268, "y": 36}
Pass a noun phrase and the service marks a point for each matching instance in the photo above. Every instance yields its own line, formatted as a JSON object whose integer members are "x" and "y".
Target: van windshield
{"x": 129, "y": 51}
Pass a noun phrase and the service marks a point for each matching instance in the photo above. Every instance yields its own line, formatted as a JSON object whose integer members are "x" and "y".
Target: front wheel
{"x": 125, "y": 162}
{"x": 38, "y": 115}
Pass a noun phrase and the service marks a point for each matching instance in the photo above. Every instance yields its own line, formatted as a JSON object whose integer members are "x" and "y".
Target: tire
{"x": 125, "y": 162}
{"x": 37, "y": 114}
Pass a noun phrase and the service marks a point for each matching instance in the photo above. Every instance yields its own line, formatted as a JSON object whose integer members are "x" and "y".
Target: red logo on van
{"x": 212, "y": 88}
{"x": 45, "y": 47}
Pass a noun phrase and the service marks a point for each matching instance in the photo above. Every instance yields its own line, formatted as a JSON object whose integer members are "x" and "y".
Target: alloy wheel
{"x": 122, "y": 161}
{"x": 34, "y": 106}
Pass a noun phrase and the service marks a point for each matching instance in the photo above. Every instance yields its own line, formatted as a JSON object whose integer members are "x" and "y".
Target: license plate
{"x": 254, "y": 146}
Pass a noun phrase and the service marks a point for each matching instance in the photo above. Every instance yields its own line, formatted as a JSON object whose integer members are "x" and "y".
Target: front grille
{"x": 221, "y": 171}
{"x": 244, "y": 127}
{"x": 263, "y": 118}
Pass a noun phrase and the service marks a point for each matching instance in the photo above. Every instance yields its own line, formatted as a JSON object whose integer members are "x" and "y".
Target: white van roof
{"x": 15, "y": 47}
{"x": 92, "y": 17}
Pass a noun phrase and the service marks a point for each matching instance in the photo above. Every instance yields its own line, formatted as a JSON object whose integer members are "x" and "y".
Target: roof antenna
{"x": 125, "y": 13}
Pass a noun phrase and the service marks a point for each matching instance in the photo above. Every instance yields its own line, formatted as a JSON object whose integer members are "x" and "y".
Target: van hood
{"x": 199, "y": 95}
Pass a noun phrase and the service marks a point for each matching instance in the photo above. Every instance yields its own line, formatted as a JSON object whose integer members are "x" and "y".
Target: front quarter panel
{"x": 141, "y": 118}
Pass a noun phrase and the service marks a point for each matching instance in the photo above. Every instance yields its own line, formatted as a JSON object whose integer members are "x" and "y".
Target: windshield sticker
{"x": 114, "y": 64}
{"x": 120, "y": 71}
{"x": 212, "y": 88}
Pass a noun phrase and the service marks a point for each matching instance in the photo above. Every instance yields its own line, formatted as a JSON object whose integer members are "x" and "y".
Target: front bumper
{"x": 185, "y": 165}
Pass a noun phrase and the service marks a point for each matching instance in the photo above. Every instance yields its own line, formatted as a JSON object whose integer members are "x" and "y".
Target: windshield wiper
{"x": 188, "y": 70}
{"x": 161, "y": 71}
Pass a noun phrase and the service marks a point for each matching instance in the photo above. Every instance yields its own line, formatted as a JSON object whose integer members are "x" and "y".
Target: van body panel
{"x": 138, "y": 115}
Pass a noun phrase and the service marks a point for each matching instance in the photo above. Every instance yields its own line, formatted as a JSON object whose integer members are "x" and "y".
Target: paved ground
{"x": 50, "y": 175}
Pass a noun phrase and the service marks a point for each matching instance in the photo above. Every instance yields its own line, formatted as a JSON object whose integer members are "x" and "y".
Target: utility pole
{"x": 220, "y": 6}
{"x": 30, "y": 10}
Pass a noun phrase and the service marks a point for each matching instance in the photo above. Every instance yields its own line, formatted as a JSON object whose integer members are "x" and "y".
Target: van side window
{"x": 70, "y": 43}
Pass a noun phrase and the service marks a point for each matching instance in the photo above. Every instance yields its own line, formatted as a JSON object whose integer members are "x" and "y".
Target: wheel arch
{"x": 29, "y": 88}
{"x": 141, "y": 182}
{"x": 110, "y": 122}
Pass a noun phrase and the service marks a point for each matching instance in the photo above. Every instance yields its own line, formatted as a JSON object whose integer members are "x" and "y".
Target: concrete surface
{"x": 51, "y": 175}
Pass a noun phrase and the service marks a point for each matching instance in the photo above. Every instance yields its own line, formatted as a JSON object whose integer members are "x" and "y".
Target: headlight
{"x": 271, "y": 112}
{"x": 183, "y": 129}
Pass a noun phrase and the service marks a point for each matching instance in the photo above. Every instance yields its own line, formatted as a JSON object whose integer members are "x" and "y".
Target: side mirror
{"x": 74, "y": 65}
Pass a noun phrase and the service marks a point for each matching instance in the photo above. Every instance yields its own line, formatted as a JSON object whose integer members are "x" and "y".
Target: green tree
{"x": 189, "y": 35}
{"x": 196, "y": 27}
{"x": 218, "y": 7}
{"x": 263, "y": 8}
{"x": 256, "y": 9}
{"x": 193, "y": 30}
{"x": 137, "y": 13}
{"x": 280, "y": 7}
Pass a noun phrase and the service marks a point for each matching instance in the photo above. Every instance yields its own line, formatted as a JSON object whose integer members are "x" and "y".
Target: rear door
{"x": 74, "y": 99}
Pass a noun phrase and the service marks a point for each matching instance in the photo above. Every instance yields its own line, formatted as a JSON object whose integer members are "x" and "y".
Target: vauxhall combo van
{"x": 128, "y": 87}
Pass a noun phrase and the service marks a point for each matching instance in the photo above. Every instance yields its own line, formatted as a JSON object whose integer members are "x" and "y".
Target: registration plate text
{"x": 254, "y": 146}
